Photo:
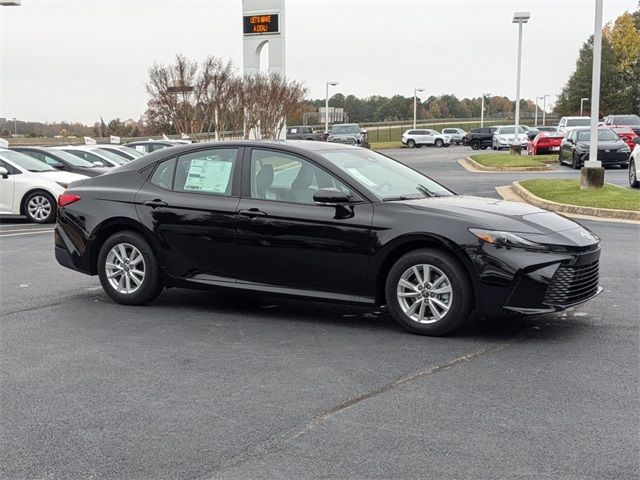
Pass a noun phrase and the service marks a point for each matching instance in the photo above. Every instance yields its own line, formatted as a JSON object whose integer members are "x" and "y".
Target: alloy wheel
{"x": 633, "y": 178}
{"x": 39, "y": 208}
{"x": 424, "y": 293}
{"x": 125, "y": 268}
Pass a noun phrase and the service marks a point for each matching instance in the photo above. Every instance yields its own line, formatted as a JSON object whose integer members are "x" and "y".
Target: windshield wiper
{"x": 422, "y": 189}
{"x": 399, "y": 197}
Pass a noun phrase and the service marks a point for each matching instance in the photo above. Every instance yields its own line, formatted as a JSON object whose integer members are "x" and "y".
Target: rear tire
{"x": 129, "y": 270}
{"x": 40, "y": 207}
{"x": 428, "y": 292}
{"x": 411, "y": 143}
{"x": 439, "y": 143}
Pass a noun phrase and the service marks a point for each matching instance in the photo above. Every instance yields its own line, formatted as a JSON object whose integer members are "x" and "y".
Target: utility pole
{"x": 415, "y": 103}
{"x": 582, "y": 100}
{"x": 520, "y": 18}
{"x": 326, "y": 106}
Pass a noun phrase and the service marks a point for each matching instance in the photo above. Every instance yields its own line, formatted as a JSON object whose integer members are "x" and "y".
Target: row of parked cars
{"x": 32, "y": 177}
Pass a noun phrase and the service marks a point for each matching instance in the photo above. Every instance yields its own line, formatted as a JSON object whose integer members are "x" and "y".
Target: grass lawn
{"x": 384, "y": 145}
{"x": 568, "y": 191}
{"x": 505, "y": 160}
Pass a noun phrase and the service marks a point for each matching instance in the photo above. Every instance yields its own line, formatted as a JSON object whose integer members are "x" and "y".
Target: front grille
{"x": 572, "y": 284}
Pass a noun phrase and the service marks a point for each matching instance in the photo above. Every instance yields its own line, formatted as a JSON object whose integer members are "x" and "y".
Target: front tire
{"x": 633, "y": 175}
{"x": 411, "y": 143}
{"x": 129, "y": 270}
{"x": 475, "y": 145}
{"x": 575, "y": 162}
{"x": 428, "y": 292}
{"x": 439, "y": 143}
{"x": 40, "y": 207}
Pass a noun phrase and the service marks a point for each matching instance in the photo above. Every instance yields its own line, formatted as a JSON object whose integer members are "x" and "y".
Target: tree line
{"x": 619, "y": 75}
{"x": 398, "y": 107}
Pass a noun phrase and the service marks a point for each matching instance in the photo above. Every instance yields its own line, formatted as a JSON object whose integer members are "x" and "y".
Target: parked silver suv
{"x": 457, "y": 134}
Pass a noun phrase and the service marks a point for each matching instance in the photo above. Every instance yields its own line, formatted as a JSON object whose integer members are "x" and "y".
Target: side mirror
{"x": 569, "y": 140}
{"x": 98, "y": 164}
{"x": 636, "y": 140}
{"x": 330, "y": 197}
{"x": 4, "y": 173}
{"x": 58, "y": 165}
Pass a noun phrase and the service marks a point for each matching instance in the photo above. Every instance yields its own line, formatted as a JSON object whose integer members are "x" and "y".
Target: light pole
{"x": 536, "y": 120}
{"x": 582, "y": 100}
{"x": 544, "y": 108}
{"x": 482, "y": 111}
{"x": 592, "y": 174}
{"x": 415, "y": 104}
{"x": 520, "y": 18}
{"x": 326, "y": 106}
{"x": 15, "y": 127}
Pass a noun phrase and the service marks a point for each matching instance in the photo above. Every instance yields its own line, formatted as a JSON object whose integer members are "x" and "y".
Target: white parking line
{"x": 34, "y": 232}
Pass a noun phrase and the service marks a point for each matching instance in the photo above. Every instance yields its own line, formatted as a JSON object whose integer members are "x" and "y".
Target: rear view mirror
{"x": 330, "y": 197}
{"x": 4, "y": 173}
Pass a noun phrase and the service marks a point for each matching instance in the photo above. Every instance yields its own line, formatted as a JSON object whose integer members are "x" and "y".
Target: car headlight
{"x": 506, "y": 239}
{"x": 64, "y": 185}
{"x": 625, "y": 149}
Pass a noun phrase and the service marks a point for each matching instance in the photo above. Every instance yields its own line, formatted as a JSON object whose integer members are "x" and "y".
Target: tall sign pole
{"x": 592, "y": 174}
{"x": 263, "y": 26}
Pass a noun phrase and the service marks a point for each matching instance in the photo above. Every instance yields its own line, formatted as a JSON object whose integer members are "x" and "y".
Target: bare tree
{"x": 170, "y": 90}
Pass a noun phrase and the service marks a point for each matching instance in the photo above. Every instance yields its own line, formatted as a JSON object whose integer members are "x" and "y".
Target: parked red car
{"x": 545, "y": 142}
{"x": 627, "y": 134}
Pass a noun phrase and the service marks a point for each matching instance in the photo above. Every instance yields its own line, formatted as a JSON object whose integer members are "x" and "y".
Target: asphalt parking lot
{"x": 201, "y": 385}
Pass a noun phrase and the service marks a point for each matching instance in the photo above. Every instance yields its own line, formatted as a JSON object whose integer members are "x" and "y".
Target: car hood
{"x": 503, "y": 215}
{"x": 608, "y": 145}
{"x": 58, "y": 176}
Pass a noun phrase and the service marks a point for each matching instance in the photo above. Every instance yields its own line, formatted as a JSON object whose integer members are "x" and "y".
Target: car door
{"x": 286, "y": 240}
{"x": 566, "y": 147}
{"x": 7, "y": 188}
{"x": 429, "y": 137}
{"x": 190, "y": 204}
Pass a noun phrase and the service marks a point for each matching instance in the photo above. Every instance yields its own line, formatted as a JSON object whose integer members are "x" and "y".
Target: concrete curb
{"x": 472, "y": 166}
{"x": 608, "y": 213}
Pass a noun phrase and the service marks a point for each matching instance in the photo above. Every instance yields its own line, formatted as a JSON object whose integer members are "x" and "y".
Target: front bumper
{"x": 532, "y": 282}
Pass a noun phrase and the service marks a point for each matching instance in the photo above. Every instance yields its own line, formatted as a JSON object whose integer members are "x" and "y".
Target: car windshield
{"x": 117, "y": 159}
{"x": 25, "y": 161}
{"x": 72, "y": 159}
{"x": 511, "y": 130}
{"x": 604, "y": 135}
{"x": 124, "y": 152}
{"x": 626, "y": 119}
{"x": 383, "y": 177}
{"x": 345, "y": 129}
{"x": 578, "y": 122}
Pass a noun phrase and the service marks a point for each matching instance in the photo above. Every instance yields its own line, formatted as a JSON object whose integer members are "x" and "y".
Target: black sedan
{"x": 612, "y": 150}
{"x": 62, "y": 160}
{"x": 322, "y": 221}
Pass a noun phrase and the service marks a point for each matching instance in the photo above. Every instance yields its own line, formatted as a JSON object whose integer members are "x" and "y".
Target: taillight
{"x": 66, "y": 199}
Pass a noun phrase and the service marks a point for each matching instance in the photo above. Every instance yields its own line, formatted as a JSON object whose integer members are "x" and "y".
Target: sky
{"x": 79, "y": 60}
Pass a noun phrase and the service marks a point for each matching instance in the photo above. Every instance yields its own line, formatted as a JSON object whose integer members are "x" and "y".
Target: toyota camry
{"x": 321, "y": 221}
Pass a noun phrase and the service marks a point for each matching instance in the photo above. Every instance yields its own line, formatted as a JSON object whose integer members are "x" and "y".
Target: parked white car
{"x": 93, "y": 154}
{"x": 571, "y": 122}
{"x": 456, "y": 134}
{"x": 505, "y": 135}
{"x": 30, "y": 187}
{"x": 125, "y": 152}
{"x": 417, "y": 138}
{"x": 634, "y": 163}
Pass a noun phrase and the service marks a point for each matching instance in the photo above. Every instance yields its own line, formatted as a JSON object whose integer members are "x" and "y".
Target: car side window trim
{"x": 235, "y": 175}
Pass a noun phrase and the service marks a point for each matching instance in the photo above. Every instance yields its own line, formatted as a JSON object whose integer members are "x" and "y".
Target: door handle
{"x": 252, "y": 213}
{"x": 155, "y": 203}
